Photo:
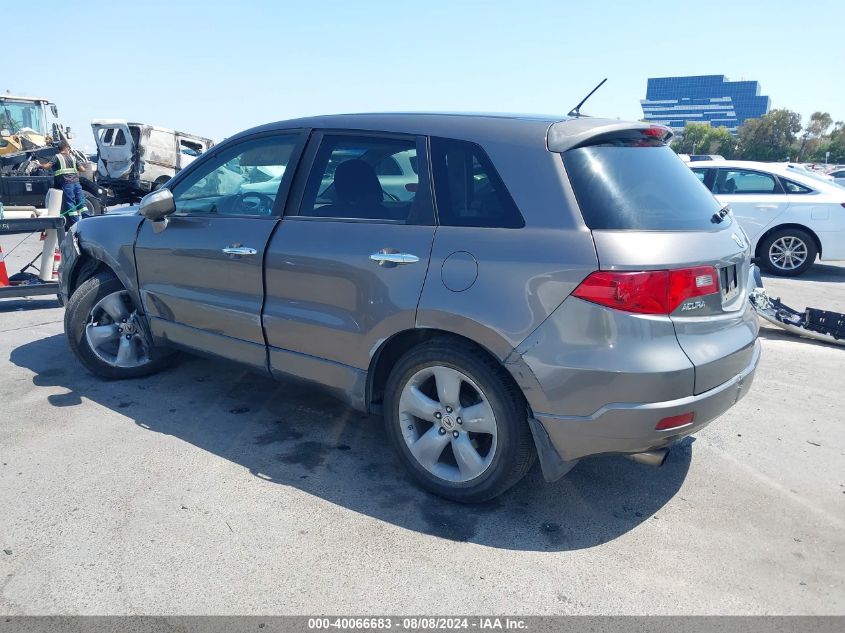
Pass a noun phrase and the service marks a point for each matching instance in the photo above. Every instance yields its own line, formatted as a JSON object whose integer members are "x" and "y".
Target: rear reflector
{"x": 650, "y": 291}
{"x": 675, "y": 422}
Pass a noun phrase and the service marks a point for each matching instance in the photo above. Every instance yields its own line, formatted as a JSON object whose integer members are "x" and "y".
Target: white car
{"x": 789, "y": 216}
{"x": 838, "y": 176}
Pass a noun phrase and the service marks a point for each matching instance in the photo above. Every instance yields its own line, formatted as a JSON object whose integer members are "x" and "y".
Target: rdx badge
{"x": 692, "y": 305}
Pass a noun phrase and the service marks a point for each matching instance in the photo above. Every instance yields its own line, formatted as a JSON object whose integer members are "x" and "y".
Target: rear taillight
{"x": 648, "y": 292}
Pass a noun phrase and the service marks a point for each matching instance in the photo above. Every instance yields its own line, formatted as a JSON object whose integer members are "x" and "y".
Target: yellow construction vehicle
{"x": 27, "y": 134}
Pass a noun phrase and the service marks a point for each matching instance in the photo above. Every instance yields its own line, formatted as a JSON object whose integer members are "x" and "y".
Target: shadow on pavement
{"x": 297, "y": 436}
{"x": 817, "y": 272}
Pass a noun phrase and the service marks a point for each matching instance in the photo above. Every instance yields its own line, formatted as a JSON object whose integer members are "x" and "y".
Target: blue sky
{"x": 214, "y": 68}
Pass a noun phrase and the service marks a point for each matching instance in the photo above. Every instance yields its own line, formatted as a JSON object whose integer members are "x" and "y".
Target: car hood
{"x": 128, "y": 210}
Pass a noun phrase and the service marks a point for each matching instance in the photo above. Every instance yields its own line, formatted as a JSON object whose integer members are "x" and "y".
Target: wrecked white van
{"x": 135, "y": 158}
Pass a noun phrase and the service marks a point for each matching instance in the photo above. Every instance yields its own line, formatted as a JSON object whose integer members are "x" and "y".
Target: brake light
{"x": 650, "y": 291}
{"x": 656, "y": 131}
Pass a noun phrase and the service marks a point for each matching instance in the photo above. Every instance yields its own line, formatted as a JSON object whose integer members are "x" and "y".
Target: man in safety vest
{"x": 66, "y": 174}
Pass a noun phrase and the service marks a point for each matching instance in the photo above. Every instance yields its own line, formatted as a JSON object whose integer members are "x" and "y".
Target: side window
{"x": 740, "y": 181}
{"x": 108, "y": 135}
{"x": 794, "y": 187}
{"x": 242, "y": 180}
{"x": 120, "y": 138}
{"x": 189, "y": 148}
{"x": 700, "y": 174}
{"x": 467, "y": 188}
{"x": 366, "y": 178}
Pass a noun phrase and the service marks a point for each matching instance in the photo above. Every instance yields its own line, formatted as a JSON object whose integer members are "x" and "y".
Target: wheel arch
{"x": 83, "y": 269}
{"x": 392, "y": 349}
{"x": 788, "y": 225}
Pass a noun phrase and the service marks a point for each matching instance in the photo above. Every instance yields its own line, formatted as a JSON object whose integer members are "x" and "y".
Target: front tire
{"x": 788, "y": 252}
{"x": 458, "y": 422}
{"x": 103, "y": 330}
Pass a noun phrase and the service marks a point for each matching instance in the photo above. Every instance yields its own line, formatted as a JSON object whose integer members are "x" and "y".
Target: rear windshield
{"x": 639, "y": 186}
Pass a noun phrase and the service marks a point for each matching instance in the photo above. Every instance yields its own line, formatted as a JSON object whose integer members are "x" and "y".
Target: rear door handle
{"x": 240, "y": 250}
{"x": 765, "y": 206}
{"x": 394, "y": 258}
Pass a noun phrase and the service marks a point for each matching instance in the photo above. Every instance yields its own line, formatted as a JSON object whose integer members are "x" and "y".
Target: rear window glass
{"x": 639, "y": 186}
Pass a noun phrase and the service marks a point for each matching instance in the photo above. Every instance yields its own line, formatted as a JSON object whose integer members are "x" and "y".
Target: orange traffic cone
{"x": 57, "y": 261}
{"x": 4, "y": 277}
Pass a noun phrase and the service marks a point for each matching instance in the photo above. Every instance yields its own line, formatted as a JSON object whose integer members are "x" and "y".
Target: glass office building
{"x": 676, "y": 101}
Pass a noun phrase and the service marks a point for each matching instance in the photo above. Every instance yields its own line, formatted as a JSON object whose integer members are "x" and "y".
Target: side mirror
{"x": 156, "y": 206}
{"x": 68, "y": 133}
{"x": 54, "y": 110}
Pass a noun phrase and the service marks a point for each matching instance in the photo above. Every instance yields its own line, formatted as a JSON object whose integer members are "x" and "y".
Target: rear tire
{"x": 101, "y": 324}
{"x": 788, "y": 252}
{"x": 458, "y": 422}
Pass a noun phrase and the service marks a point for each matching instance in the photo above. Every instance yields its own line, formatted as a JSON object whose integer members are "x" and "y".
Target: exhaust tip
{"x": 655, "y": 458}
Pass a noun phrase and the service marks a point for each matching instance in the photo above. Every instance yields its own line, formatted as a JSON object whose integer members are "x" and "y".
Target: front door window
{"x": 244, "y": 179}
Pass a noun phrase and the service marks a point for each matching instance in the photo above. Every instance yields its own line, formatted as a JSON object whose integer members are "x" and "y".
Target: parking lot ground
{"x": 210, "y": 490}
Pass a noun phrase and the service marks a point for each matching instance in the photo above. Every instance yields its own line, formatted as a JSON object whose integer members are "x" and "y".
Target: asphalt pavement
{"x": 208, "y": 489}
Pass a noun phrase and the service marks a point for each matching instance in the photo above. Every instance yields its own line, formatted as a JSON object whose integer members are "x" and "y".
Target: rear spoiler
{"x": 572, "y": 133}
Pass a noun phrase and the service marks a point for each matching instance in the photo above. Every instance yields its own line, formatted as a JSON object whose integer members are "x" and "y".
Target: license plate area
{"x": 728, "y": 283}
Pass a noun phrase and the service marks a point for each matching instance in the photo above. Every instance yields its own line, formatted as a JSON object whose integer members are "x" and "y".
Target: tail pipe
{"x": 654, "y": 458}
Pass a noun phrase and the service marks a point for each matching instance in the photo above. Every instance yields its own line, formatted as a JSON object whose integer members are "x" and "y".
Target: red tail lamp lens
{"x": 648, "y": 292}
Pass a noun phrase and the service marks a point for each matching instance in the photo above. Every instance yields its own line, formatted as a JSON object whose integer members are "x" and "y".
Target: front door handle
{"x": 240, "y": 250}
{"x": 765, "y": 206}
{"x": 394, "y": 258}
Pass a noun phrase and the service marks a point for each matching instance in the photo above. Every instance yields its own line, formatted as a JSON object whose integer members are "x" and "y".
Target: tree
{"x": 837, "y": 143}
{"x": 700, "y": 138}
{"x": 813, "y": 134}
{"x": 719, "y": 141}
{"x": 689, "y": 141}
{"x": 769, "y": 138}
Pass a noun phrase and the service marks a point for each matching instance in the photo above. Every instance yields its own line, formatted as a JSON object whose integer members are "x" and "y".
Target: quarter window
{"x": 794, "y": 187}
{"x": 468, "y": 190}
{"x": 366, "y": 178}
{"x": 242, "y": 180}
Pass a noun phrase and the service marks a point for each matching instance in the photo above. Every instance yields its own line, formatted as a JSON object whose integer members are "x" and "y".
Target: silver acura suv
{"x": 548, "y": 288}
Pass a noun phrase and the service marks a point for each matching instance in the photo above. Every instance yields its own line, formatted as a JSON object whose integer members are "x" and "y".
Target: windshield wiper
{"x": 719, "y": 216}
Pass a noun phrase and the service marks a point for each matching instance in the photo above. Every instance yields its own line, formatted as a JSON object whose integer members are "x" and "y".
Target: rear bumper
{"x": 629, "y": 427}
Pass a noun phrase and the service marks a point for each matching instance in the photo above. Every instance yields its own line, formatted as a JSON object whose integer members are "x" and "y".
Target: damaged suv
{"x": 552, "y": 288}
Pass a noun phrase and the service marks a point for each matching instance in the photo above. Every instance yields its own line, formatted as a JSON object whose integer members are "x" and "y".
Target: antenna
{"x": 576, "y": 111}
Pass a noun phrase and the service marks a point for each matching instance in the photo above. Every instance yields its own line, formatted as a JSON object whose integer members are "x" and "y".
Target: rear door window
{"x": 467, "y": 188}
{"x": 745, "y": 181}
{"x": 367, "y": 178}
{"x": 639, "y": 185}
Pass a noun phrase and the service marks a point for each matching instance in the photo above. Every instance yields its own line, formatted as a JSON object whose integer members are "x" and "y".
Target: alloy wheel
{"x": 114, "y": 334}
{"x": 448, "y": 424}
{"x": 788, "y": 252}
